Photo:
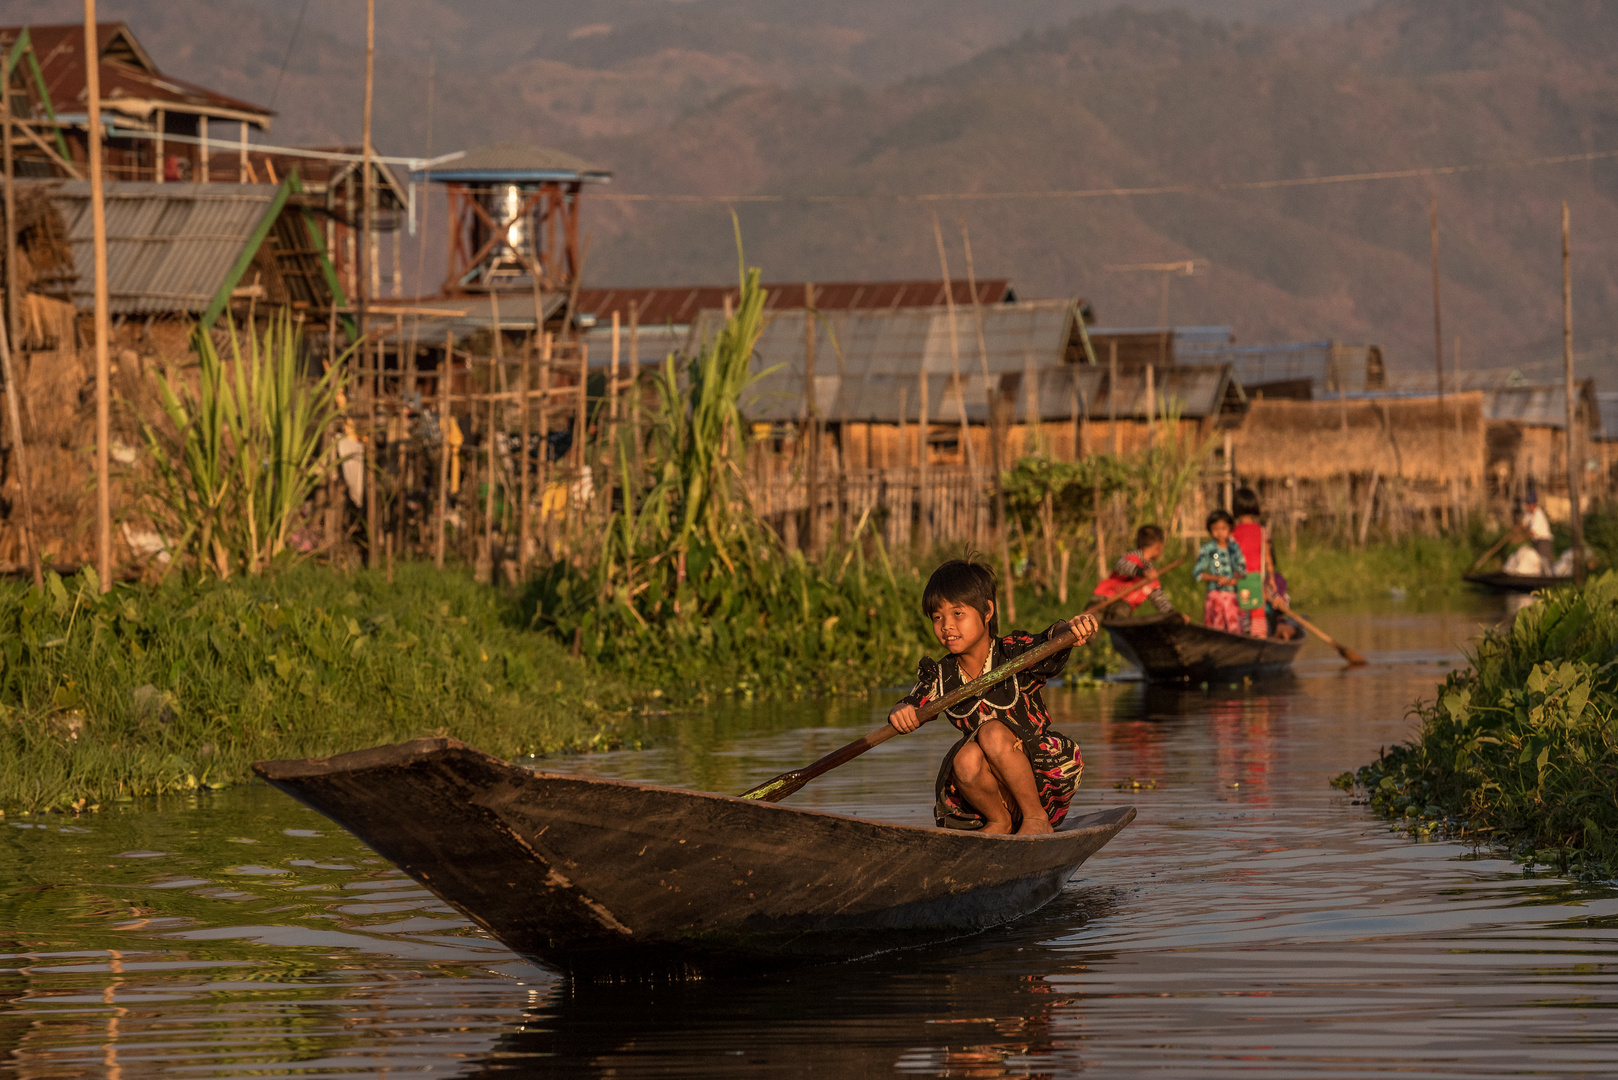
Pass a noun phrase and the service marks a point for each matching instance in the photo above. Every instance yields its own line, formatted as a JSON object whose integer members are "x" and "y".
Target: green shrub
{"x": 1518, "y": 749}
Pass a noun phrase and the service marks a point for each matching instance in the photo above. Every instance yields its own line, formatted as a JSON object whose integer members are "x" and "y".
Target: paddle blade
{"x": 777, "y": 788}
{"x": 1353, "y": 658}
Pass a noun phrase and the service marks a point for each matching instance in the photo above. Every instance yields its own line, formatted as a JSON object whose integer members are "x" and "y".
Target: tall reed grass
{"x": 692, "y": 590}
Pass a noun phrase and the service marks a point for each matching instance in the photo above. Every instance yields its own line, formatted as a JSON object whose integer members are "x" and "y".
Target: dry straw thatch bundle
{"x": 1419, "y": 439}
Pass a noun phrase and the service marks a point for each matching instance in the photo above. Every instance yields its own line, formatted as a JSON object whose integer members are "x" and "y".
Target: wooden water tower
{"x": 514, "y": 218}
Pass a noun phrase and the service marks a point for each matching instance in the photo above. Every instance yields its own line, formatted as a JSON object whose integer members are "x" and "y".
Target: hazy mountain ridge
{"x": 726, "y": 97}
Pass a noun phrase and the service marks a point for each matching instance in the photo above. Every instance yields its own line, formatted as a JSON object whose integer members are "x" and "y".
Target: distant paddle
{"x": 1146, "y": 579}
{"x": 1498, "y": 544}
{"x": 781, "y": 786}
{"x": 1353, "y": 658}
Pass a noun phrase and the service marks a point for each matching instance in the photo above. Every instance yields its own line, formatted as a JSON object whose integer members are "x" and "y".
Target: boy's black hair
{"x": 963, "y": 582}
{"x": 1244, "y": 503}
{"x": 1147, "y": 535}
{"x": 1219, "y": 515}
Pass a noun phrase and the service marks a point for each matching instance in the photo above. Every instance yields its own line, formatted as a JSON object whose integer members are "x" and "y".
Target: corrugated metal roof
{"x": 1537, "y": 406}
{"x": 883, "y": 353}
{"x": 169, "y": 246}
{"x": 517, "y": 162}
{"x": 681, "y": 304}
{"x": 130, "y": 81}
{"x": 877, "y": 377}
{"x": 1607, "y": 406}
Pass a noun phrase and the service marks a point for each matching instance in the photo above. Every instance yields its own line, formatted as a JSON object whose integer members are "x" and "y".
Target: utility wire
{"x": 1128, "y": 192}
{"x": 291, "y": 45}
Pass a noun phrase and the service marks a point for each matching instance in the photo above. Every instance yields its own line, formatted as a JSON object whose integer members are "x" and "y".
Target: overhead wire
{"x": 1125, "y": 192}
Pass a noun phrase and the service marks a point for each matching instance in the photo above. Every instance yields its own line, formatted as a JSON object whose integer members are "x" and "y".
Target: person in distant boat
{"x": 1221, "y": 567}
{"x": 1125, "y": 588}
{"x": 1273, "y": 618}
{"x": 1538, "y": 527}
{"x": 1009, "y": 772}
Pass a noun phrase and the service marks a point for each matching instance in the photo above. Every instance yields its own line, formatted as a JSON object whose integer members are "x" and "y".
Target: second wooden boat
{"x": 1169, "y": 649}
{"x": 606, "y": 879}
{"x": 1499, "y": 581}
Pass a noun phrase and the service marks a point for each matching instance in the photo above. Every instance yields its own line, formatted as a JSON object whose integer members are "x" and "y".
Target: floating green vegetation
{"x": 149, "y": 690}
{"x": 1518, "y": 750}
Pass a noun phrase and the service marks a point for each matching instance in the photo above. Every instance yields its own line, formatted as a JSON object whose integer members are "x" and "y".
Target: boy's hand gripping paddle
{"x": 781, "y": 786}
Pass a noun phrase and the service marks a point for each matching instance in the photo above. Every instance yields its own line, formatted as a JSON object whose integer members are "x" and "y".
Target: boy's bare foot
{"x": 997, "y": 828}
{"x": 1034, "y": 825}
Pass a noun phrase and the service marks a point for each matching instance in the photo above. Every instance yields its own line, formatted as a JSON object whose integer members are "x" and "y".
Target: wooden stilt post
{"x": 1575, "y": 449}
{"x": 7, "y": 334}
{"x": 525, "y": 494}
{"x": 634, "y": 386}
{"x": 612, "y": 392}
{"x": 445, "y": 372}
{"x": 995, "y": 458}
{"x": 373, "y": 520}
{"x": 811, "y": 426}
{"x": 1112, "y": 393}
{"x": 103, "y": 328}
{"x": 1438, "y": 357}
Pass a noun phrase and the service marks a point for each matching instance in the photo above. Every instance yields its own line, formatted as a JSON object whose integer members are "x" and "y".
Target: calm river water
{"x": 1250, "y": 920}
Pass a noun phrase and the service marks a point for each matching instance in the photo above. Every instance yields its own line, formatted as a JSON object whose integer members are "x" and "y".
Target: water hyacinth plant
{"x": 241, "y": 452}
{"x": 1520, "y": 749}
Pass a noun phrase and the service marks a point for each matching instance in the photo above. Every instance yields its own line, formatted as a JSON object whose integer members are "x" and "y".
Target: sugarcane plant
{"x": 235, "y": 457}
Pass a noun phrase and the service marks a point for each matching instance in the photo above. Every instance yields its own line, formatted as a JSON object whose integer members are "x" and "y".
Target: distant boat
{"x": 1169, "y": 649}
{"x": 1500, "y": 581}
{"x": 607, "y": 879}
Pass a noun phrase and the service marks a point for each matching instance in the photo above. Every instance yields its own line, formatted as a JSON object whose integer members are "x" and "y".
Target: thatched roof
{"x": 1413, "y": 438}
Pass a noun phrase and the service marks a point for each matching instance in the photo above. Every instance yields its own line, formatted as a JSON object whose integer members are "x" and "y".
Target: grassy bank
{"x": 1519, "y": 749}
{"x": 152, "y": 690}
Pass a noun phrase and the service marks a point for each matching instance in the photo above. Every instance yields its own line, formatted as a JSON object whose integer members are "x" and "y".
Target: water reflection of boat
{"x": 1499, "y": 581}
{"x": 1169, "y": 649}
{"x": 600, "y": 878}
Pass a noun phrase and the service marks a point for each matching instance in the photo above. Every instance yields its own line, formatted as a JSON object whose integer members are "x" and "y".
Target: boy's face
{"x": 1220, "y": 531}
{"x": 959, "y": 626}
{"x": 1153, "y": 551}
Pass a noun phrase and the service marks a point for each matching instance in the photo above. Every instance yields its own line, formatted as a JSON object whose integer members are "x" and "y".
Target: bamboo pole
{"x": 955, "y": 351}
{"x": 7, "y": 335}
{"x": 546, "y": 343}
{"x": 612, "y": 390}
{"x": 406, "y": 389}
{"x": 1112, "y": 393}
{"x": 994, "y": 433}
{"x": 103, "y": 329}
{"x": 525, "y": 491}
{"x": 811, "y": 424}
{"x": 1575, "y": 456}
{"x": 1438, "y": 359}
{"x": 583, "y": 415}
{"x": 10, "y": 201}
{"x": 445, "y": 372}
{"x": 497, "y": 370}
{"x": 372, "y": 501}
{"x": 924, "y": 519}
{"x": 634, "y": 389}
{"x": 30, "y": 534}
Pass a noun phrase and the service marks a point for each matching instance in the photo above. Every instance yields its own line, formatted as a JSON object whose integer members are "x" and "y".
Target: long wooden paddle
{"x": 1145, "y": 580}
{"x": 1487, "y": 555}
{"x": 1353, "y": 658}
{"x": 780, "y": 787}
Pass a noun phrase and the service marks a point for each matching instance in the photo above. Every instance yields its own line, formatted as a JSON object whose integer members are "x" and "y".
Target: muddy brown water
{"x": 1250, "y": 920}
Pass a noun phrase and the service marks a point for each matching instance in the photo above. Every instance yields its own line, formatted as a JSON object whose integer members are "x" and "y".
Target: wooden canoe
{"x": 607, "y": 879}
{"x": 1499, "y": 581}
{"x": 1169, "y": 649}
